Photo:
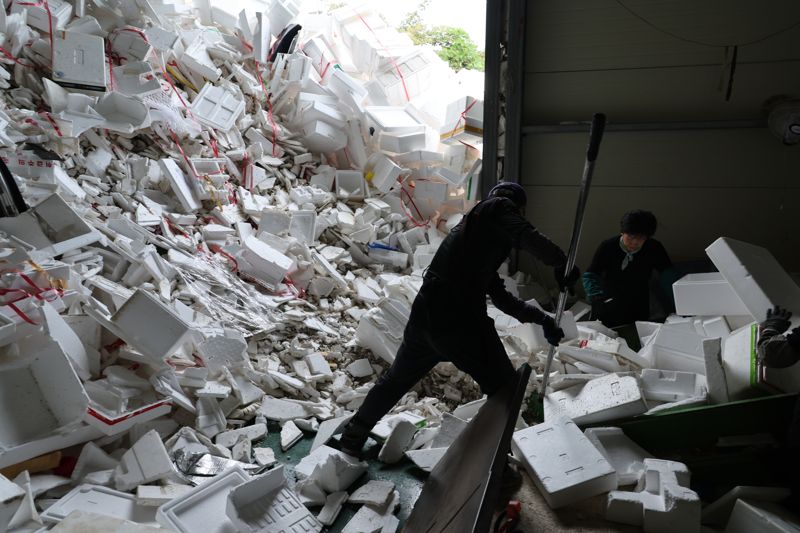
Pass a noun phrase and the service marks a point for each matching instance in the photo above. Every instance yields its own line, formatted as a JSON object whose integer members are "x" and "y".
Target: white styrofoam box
{"x": 203, "y": 508}
{"x": 406, "y": 78}
{"x": 625, "y": 456}
{"x": 52, "y": 227}
{"x": 114, "y": 423}
{"x": 564, "y": 464}
{"x": 217, "y": 107}
{"x": 706, "y": 294}
{"x": 756, "y": 277}
{"x": 100, "y": 500}
{"x": 131, "y": 43}
{"x": 149, "y": 325}
{"x": 321, "y": 57}
{"x": 122, "y": 113}
{"x": 429, "y": 197}
{"x": 314, "y": 108}
{"x": 716, "y": 327}
{"x": 662, "y": 503}
{"x": 739, "y": 361}
{"x": 265, "y": 503}
{"x": 183, "y": 189}
{"x": 196, "y": 59}
{"x": 351, "y": 92}
{"x": 144, "y": 462}
{"x": 381, "y": 328}
{"x": 79, "y": 61}
{"x": 676, "y": 348}
{"x": 442, "y": 109}
{"x": 269, "y": 264}
{"x": 605, "y": 398}
{"x": 42, "y": 394}
{"x": 350, "y": 185}
{"x": 402, "y": 141}
{"x": 764, "y": 517}
{"x": 671, "y": 385}
{"x": 42, "y": 15}
{"x": 389, "y": 119}
{"x": 381, "y": 172}
{"x": 281, "y": 13}
{"x": 274, "y": 221}
{"x": 718, "y": 512}
{"x": 319, "y": 136}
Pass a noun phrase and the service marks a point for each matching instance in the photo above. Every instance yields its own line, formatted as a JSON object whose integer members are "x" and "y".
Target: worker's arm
{"x": 511, "y": 305}
{"x": 526, "y": 237}
{"x": 593, "y": 277}
{"x": 774, "y": 349}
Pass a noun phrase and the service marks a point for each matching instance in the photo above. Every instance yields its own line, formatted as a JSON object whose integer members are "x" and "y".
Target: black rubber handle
{"x": 595, "y": 135}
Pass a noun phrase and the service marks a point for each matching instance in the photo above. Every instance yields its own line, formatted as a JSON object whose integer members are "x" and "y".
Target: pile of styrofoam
{"x": 219, "y": 237}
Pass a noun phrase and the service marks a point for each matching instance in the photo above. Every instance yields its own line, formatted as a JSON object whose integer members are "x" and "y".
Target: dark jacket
{"x": 468, "y": 258}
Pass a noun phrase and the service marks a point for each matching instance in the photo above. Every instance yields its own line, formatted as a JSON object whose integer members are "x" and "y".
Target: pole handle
{"x": 595, "y": 136}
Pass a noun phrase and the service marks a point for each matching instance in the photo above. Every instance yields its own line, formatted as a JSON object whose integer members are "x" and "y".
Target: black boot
{"x": 354, "y": 437}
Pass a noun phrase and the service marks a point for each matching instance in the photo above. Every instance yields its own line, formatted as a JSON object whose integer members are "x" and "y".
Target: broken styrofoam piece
{"x": 328, "y": 428}
{"x": 204, "y": 507}
{"x": 265, "y": 456}
{"x": 281, "y": 410}
{"x": 333, "y": 505}
{"x": 344, "y": 469}
{"x": 83, "y": 521}
{"x": 43, "y": 400}
{"x": 605, "y": 398}
{"x": 676, "y": 348}
{"x": 52, "y": 227}
{"x": 764, "y": 517}
{"x": 158, "y": 495}
{"x": 265, "y": 503}
{"x": 384, "y": 427}
{"x": 564, "y": 464}
{"x": 253, "y": 433}
{"x": 398, "y": 441}
{"x": 146, "y": 461}
{"x": 114, "y": 423}
{"x": 360, "y": 368}
{"x": 373, "y": 492}
{"x": 11, "y": 496}
{"x": 663, "y": 502}
{"x": 706, "y": 294}
{"x": 756, "y": 277}
{"x": 671, "y": 385}
{"x": 290, "y": 435}
{"x": 224, "y": 351}
{"x": 625, "y": 456}
{"x": 370, "y": 518}
{"x": 100, "y": 500}
{"x": 91, "y": 459}
{"x": 426, "y": 458}
{"x": 265, "y": 262}
{"x": 718, "y": 512}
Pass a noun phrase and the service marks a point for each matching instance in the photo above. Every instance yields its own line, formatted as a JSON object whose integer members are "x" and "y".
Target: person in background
{"x": 448, "y": 320}
{"x": 617, "y": 282}
{"x": 777, "y": 349}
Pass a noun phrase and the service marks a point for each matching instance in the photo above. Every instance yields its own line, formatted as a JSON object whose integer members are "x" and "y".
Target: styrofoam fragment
{"x": 360, "y": 368}
{"x": 100, "y": 500}
{"x": 663, "y": 503}
{"x": 718, "y": 512}
{"x": 82, "y": 521}
{"x": 91, "y": 459}
{"x": 146, "y": 461}
{"x": 217, "y": 107}
{"x": 229, "y": 438}
{"x": 670, "y": 385}
{"x": 564, "y": 464}
{"x": 342, "y": 471}
{"x": 333, "y": 505}
{"x": 397, "y": 442}
{"x": 426, "y": 458}
{"x": 625, "y": 456}
{"x": 11, "y": 496}
{"x": 265, "y": 503}
{"x": 373, "y": 492}
{"x": 765, "y": 517}
{"x": 706, "y": 294}
{"x": 604, "y": 398}
{"x": 290, "y": 435}
{"x": 158, "y": 495}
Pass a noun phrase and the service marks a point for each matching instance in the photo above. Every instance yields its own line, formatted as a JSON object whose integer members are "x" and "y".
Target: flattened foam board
{"x": 100, "y": 500}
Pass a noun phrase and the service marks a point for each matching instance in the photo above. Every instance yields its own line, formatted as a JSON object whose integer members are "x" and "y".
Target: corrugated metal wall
{"x": 586, "y": 56}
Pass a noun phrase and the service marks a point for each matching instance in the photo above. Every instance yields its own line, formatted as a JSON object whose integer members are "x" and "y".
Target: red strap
{"x": 394, "y": 63}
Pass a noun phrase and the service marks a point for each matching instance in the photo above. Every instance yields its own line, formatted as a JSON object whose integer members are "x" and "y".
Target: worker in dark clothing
{"x": 777, "y": 350}
{"x": 448, "y": 320}
{"x": 617, "y": 283}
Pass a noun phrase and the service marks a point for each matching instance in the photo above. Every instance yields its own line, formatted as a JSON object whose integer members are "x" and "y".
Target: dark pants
{"x": 443, "y": 326}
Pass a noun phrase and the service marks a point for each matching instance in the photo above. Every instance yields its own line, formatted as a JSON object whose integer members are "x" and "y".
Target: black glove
{"x": 777, "y": 319}
{"x": 793, "y": 339}
{"x": 552, "y": 332}
{"x": 566, "y": 282}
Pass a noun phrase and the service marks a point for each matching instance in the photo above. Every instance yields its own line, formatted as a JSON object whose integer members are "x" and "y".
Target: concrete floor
{"x": 585, "y": 517}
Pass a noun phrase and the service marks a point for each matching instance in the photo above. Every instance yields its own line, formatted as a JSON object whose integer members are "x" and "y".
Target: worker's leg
{"x": 477, "y": 350}
{"x": 414, "y": 359}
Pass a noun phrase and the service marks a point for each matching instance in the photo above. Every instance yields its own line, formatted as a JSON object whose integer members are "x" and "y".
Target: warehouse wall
{"x": 586, "y": 56}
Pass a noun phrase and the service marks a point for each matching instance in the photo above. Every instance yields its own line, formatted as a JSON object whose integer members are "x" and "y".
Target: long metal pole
{"x": 595, "y": 136}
